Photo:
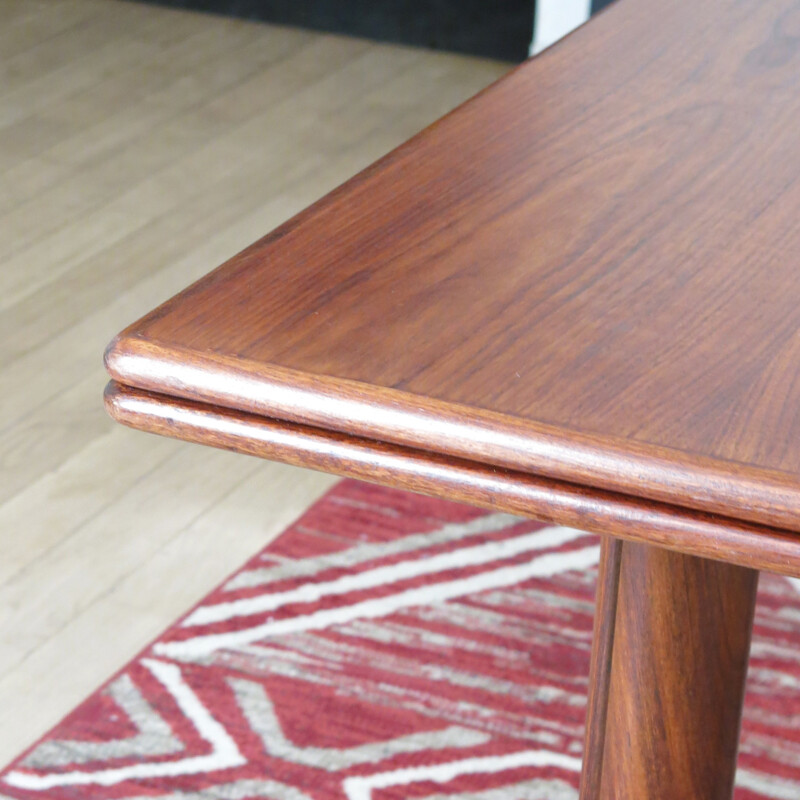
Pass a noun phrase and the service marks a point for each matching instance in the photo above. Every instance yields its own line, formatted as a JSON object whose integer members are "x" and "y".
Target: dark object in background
{"x": 500, "y": 29}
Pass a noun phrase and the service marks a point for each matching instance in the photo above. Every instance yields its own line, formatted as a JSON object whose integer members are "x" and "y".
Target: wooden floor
{"x": 139, "y": 148}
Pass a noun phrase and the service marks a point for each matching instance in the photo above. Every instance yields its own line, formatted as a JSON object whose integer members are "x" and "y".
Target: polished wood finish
{"x": 587, "y": 272}
{"x": 600, "y": 666}
{"x": 681, "y": 641}
{"x": 576, "y": 297}
{"x": 386, "y": 414}
{"x": 704, "y": 535}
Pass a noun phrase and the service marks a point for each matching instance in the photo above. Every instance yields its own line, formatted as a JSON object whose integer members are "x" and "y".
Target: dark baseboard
{"x": 499, "y": 29}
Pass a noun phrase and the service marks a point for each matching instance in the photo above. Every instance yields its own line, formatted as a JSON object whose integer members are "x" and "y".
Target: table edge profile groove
{"x": 651, "y": 472}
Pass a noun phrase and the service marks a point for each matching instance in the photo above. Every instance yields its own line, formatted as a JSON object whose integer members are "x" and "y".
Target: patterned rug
{"x": 386, "y": 646}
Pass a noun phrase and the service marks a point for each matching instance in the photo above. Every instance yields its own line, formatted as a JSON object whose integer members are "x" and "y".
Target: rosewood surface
{"x": 576, "y": 297}
{"x": 589, "y": 273}
{"x": 600, "y": 666}
{"x": 701, "y": 534}
{"x": 666, "y": 711}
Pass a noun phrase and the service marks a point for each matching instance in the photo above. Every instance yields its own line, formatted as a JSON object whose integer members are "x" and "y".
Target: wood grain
{"x": 588, "y": 272}
{"x": 677, "y": 677}
{"x": 471, "y": 433}
{"x": 701, "y": 534}
{"x": 605, "y": 616}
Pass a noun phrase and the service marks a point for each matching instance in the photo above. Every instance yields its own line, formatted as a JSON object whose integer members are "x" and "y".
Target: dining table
{"x": 575, "y": 298}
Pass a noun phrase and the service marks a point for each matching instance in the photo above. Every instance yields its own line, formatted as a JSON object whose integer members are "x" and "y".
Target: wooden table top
{"x": 589, "y": 273}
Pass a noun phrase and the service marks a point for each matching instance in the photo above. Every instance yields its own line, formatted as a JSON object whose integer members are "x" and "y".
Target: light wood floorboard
{"x": 139, "y": 148}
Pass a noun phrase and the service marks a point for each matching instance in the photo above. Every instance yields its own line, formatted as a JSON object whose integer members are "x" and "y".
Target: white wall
{"x": 556, "y": 18}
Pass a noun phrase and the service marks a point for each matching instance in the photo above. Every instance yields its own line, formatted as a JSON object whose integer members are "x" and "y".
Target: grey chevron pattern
{"x": 538, "y": 789}
{"x": 361, "y": 553}
{"x": 236, "y": 790}
{"x": 479, "y": 696}
{"x": 260, "y": 713}
{"x": 154, "y": 737}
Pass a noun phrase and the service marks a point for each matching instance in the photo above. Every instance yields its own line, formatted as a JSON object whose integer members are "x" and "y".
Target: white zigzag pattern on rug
{"x": 258, "y": 709}
{"x": 542, "y": 566}
{"x": 154, "y": 738}
{"x": 224, "y": 754}
{"x": 382, "y": 576}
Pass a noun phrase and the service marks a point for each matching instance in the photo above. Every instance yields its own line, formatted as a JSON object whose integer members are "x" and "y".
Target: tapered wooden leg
{"x": 672, "y": 639}
{"x": 600, "y": 666}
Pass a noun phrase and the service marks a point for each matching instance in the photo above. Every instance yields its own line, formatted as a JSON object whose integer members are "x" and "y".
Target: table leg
{"x": 669, "y": 661}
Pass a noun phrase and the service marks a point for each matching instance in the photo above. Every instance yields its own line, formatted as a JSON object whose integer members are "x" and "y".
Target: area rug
{"x": 386, "y": 646}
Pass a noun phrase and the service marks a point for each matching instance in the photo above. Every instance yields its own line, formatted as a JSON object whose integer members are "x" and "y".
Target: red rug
{"x": 387, "y": 646}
